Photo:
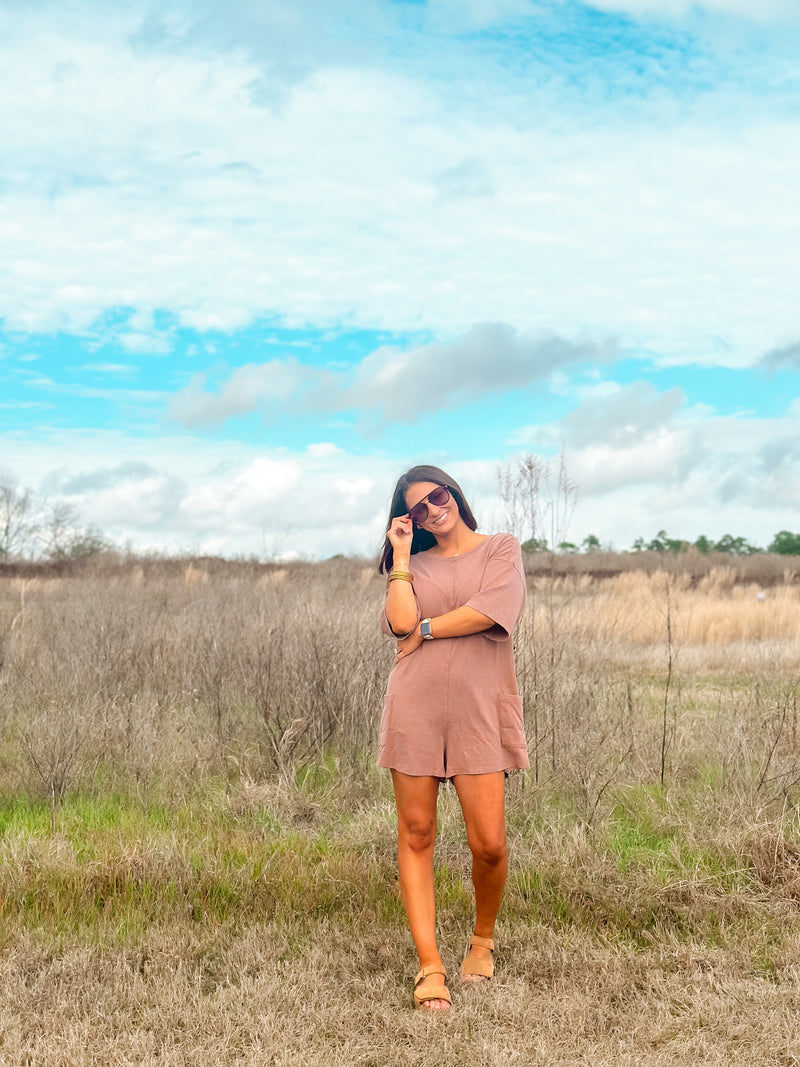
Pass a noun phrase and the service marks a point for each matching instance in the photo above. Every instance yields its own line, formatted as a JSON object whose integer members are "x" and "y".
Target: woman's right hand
{"x": 400, "y": 534}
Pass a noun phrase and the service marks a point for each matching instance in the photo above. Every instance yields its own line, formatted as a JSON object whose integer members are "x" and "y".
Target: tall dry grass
{"x": 196, "y": 851}
{"x": 254, "y": 671}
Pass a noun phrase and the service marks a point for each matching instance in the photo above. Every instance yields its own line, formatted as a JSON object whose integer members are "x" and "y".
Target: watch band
{"x": 425, "y": 630}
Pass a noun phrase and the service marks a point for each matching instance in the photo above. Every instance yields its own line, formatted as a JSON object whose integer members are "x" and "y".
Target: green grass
{"x": 116, "y": 867}
{"x": 285, "y": 895}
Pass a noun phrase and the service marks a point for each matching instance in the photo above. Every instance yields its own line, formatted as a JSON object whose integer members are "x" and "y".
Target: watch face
{"x": 425, "y": 628}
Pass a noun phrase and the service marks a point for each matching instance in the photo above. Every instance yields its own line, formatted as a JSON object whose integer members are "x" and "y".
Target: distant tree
{"x": 736, "y": 546}
{"x": 534, "y": 499}
{"x": 31, "y": 528}
{"x": 590, "y": 543}
{"x": 639, "y": 545}
{"x": 785, "y": 544}
{"x": 58, "y": 529}
{"x": 662, "y": 542}
{"x": 521, "y": 487}
{"x": 567, "y": 547}
{"x": 703, "y": 544}
{"x": 17, "y": 525}
{"x": 534, "y": 544}
{"x": 83, "y": 543}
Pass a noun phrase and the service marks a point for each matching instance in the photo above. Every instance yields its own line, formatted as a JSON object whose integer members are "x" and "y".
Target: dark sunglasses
{"x": 438, "y": 497}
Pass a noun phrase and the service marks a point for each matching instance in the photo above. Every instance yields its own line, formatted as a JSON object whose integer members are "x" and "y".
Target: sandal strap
{"x": 484, "y": 968}
{"x": 435, "y": 992}
{"x": 481, "y": 942}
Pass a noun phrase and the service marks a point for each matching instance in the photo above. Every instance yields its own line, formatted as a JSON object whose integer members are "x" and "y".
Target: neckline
{"x": 458, "y": 555}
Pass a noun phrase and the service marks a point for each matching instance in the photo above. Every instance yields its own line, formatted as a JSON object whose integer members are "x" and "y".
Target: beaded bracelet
{"x": 404, "y": 576}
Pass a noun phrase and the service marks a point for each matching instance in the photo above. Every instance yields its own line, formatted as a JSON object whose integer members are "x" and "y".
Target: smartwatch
{"x": 425, "y": 630}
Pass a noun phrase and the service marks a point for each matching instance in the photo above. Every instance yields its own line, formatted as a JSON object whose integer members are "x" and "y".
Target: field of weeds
{"x": 196, "y": 851}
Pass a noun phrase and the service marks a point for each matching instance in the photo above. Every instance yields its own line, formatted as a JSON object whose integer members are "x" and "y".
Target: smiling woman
{"x": 452, "y": 709}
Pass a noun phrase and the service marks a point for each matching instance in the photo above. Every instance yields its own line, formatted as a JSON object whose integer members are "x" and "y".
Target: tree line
{"x": 784, "y": 543}
{"x": 539, "y": 499}
{"x": 536, "y": 504}
{"x": 40, "y": 529}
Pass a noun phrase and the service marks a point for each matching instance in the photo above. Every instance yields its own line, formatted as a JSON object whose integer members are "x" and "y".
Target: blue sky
{"x": 255, "y": 260}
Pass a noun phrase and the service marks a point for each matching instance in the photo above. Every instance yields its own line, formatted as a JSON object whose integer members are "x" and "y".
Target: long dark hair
{"x": 422, "y": 539}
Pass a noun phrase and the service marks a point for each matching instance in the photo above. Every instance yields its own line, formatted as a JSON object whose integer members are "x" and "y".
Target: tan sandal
{"x": 470, "y": 965}
{"x": 434, "y": 992}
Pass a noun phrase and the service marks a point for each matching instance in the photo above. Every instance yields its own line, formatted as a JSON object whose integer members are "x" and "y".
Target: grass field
{"x": 196, "y": 851}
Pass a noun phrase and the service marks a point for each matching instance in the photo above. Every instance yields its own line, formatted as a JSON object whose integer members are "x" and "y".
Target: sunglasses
{"x": 438, "y": 497}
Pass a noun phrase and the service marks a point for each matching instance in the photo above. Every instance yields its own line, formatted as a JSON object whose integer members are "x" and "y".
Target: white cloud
{"x": 144, "y": 343}
{"x": 490, "y": 357}
{"x": 759, "y": 10}
{"x": 180, "y": 494}
{"x": 252, "y": 387}
{"x": 691, "y": 475}
{"x": 784, "y": 357}
{"x": 392, "y": 384}
{"x": 108, "y": 368}
{"x": 622, "y": 417}
{"x": 675, "y": 467}
{"x": 364, "y": 197}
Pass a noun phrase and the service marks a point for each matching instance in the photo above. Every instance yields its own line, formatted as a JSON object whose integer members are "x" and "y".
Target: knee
{"x": 418, "y": 835}
{"x": 490, "y": 853}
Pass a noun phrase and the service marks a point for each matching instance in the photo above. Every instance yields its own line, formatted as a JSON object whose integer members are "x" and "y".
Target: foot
{"x": 477, "y": 953}
{"x": 478, "y": 964}
{"x": 431, "y": 979}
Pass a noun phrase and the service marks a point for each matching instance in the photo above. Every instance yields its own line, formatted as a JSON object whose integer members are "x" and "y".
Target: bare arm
{"x": 401, "y": 604}
{"x": 461, "y": 622}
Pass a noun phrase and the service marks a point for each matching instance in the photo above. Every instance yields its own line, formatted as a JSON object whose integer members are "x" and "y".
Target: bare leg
{"x": 482, "y": 798}
{"x": 416, "y": 798}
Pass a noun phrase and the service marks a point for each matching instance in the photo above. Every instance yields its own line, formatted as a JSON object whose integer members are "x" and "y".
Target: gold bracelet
{"x": 404, "y": 576}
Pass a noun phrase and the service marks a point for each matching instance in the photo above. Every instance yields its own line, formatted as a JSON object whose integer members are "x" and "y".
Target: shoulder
{"x": 503, "y": 544}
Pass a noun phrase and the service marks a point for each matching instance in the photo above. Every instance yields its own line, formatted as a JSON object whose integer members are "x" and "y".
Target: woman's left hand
{"x": 409, "y": 644}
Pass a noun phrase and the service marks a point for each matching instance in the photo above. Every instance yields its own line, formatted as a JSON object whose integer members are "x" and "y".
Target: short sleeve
{"x": 502, "y": 591}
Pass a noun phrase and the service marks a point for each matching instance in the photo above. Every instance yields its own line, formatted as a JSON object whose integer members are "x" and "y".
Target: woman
{"x": 452, "y": 709}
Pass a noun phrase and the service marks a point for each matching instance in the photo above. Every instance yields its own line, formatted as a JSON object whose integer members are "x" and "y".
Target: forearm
{"x": 402, "y": 612}
{"x": 460, "y": 622}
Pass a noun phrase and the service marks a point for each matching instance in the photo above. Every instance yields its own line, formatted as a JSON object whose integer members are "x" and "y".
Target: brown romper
{"x": 452, "y": 706}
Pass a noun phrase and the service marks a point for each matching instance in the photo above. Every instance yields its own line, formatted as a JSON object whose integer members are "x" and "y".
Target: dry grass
{"x": 196, "y": 860}
{"x": 716, "y": 610}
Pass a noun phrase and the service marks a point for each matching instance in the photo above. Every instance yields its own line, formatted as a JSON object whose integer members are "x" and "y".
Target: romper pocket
{"x": 383, "y": 729}
{"x": 512, "y": 725}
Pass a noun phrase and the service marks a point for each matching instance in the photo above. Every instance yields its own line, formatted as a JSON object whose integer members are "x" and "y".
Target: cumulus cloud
{"x": 131, "y": 495}
{"x": 181, "y": 494}
{"x": 618, "y": 437}
{"x": 623, "y": 416}
{"x": 693, "y": 474}
{"x": 63, "y": 481}
{"x": 192, "y": 198}
{"x": 392, "y": 384}
{"x": 252, "y": 387}
{"x": 786, "y": 357}
{"x": 645, "y": 460}
{"x": 491, "y": 357}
